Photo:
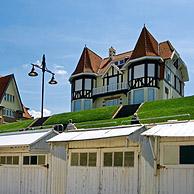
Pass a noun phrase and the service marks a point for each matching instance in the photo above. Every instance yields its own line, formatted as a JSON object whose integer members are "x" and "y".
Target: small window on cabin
{"x": 118, "y": 158}
{"x": 92, "y": 159}
{"x": 116, "y": 62}
{"x": 128, "y": 159}
{"x": 15, "y": 160}
{"x": 170, "y": 154}
{"x": 26, "y": 160}
{"x": 33, "y": 160}
{"x": 41, "y": 160}
{"x": 9, "y": 160}
{"x": 83, "y": 159}
{"x": 2, "y": 160}
{"x": 186, "y": 154}
{"x": 108, "y": 159}
{"x": 74, "y": 159}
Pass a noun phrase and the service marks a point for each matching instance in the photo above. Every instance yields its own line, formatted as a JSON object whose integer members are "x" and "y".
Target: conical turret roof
{"x": 146, "y": 45}
{"x": 89, "y": 62}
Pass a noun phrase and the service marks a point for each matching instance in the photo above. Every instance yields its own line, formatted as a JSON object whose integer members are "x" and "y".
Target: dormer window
{"x": 121, "y": 62}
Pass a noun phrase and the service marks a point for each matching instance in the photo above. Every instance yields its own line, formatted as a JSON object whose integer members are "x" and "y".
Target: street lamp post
{"x": 44, "y": 69}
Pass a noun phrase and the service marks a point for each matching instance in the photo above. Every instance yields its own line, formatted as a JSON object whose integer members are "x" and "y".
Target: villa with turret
{"x": 151, "y": 71}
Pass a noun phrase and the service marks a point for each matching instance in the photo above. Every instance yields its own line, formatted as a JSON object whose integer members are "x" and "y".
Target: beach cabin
{"x": 97, "y": 161}
{"x": 25, "y": 162}
{"x": 173, "y": 151}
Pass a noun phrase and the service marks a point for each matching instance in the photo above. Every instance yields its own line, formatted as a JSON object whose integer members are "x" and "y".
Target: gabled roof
{"x": 4, "y": 83}
{"x": 146, "y": 45}
{"x": 93, "y": 134}
{"x": 185, "y": 129}
{"x": 89, "y": 62}
{"x": 23, "y": 138}
{"x": 166, "y": 49}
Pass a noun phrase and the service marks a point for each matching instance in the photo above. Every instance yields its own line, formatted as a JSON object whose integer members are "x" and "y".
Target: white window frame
{"x": 78, "y": 84}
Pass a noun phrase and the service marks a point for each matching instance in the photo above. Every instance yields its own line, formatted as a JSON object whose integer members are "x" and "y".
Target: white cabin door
{"x": 176, "y": 180}
{"x": 9, "y": 174}
{"x": 34, "y": 175}
{"x": 83, "y": 172}
{"x": 119, "y": 171}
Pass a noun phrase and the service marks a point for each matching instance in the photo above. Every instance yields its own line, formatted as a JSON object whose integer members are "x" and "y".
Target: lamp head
{"x": 52, "y": 81}
{"x": 33, "y": 73}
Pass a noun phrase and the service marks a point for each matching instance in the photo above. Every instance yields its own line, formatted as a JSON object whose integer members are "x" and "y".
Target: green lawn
{"x": 167, "y": 108}
{"x": 83, "y": 116}
{"x": 15, "y": 126}
{"x": 104, "y": 123}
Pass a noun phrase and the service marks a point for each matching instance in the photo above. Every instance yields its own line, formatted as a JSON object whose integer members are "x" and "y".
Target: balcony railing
{"x": 110, "y": 88}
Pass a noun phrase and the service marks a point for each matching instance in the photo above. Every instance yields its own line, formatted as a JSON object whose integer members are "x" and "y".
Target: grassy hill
{"x": 149, "y": 112}
{"x": 168, "y": 109}
{"x": 15, "y": 126}
{"x": 83, "y": 116}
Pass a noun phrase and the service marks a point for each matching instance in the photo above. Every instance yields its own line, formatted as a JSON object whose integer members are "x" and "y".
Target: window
{"x": 108, "y": 159}
{"x": 8, "y": 112}
{"x": 74, "y": 159}
{"x": 170, "y": 154}
{"x": 92, "y": 159}
{"x": 112, "y": 84}
{"x": 84, "y": 159}
{"x": 77, "y": 105}
{"x": 168, "y": 75}
{"x": 34, "y": 160}
{"x": 112, "y": 102}
{"x": 119, "y": 159}
{"x": 129, "y": 159}
{"x": 151, "y": 94}
{"x": 151, "y": 70}
{"x": 186, "y": 154}
{"x": 88, "y": 84}
{"x": 121, "y": 62}
{"x": 87, "y": 104}
{"x": 138, "y": 96}
{"x": 78, "y": 84}
{"x": 10, "y": 160}
{"x": 139, "y": 71}
{"x": 130, "y": 74}
{"x": 9, "y": 97}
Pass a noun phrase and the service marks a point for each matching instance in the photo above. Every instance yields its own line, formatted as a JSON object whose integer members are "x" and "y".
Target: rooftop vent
{"x": 71, "y": 126}
{"x": 59, "y": 128}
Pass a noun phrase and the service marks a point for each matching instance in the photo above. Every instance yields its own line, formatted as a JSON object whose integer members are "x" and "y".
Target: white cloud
{"x": 37, "y": 114}
{"x": 60, "y": 70}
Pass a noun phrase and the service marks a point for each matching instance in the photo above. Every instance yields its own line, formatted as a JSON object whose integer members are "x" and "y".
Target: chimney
{"x": 112, "y": 53}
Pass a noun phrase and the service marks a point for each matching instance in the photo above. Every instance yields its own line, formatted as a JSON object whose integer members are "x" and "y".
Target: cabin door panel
{"x": 9, "y": 178}
{"x": 176, "y": 180}
{"x": 83, "y": 179}
{"x": 116, "y": 180}
{"x": 34, "y": 180}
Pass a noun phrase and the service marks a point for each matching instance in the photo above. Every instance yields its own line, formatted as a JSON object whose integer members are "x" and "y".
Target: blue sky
{"x": 61, "y": 28}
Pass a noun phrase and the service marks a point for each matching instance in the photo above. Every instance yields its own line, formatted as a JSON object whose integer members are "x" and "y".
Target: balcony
{"x": 110, "y": 88}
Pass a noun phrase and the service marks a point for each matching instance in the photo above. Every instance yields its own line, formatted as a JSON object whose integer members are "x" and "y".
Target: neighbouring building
{"x": 152, "y": 70}
{"x": 11, "y": 107}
